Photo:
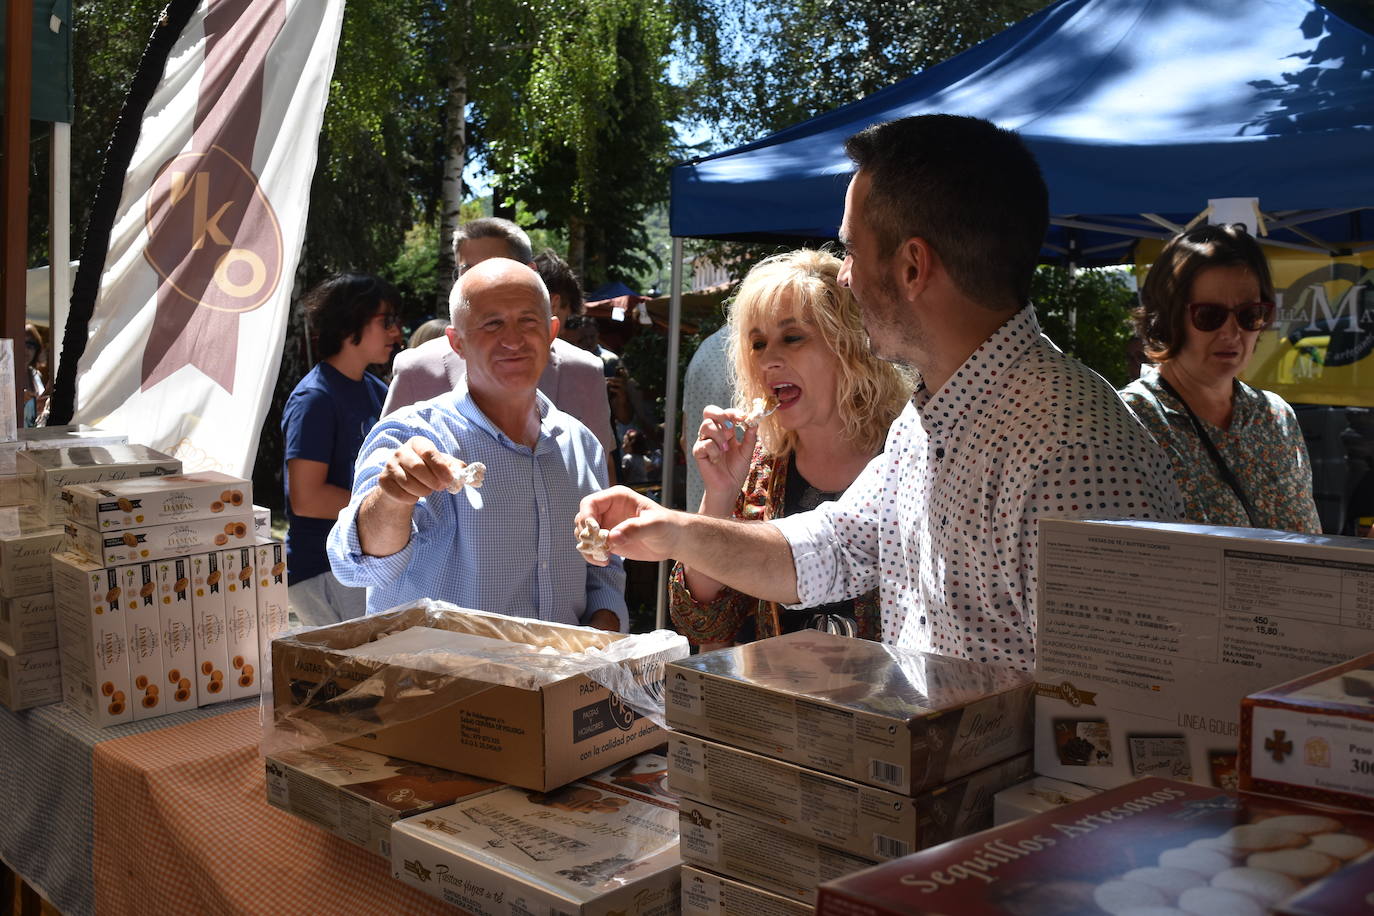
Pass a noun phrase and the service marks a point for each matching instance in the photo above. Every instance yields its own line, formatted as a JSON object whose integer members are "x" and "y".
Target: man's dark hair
{"x": 559, "y": 279}
{"x": 493, "y": 227}
{"x": 969, "y": 188}
{"x": 339, "y": 308}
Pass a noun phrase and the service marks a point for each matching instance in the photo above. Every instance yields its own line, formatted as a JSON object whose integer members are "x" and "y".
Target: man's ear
{"x": 554, "y": 325}
{"x": 455, "y": 340}
{"x": 914, "y": 264}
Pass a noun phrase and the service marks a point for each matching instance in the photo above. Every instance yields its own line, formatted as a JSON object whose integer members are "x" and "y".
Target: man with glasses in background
{"x": 353, "y": 318}
{"x": 572, "y": 379}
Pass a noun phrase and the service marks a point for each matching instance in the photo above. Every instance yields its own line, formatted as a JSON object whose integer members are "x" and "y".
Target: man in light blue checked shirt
{"x": 509, "y": 547}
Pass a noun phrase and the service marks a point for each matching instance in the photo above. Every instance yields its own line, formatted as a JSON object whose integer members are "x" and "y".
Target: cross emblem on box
{"x": 1278, "y": 746}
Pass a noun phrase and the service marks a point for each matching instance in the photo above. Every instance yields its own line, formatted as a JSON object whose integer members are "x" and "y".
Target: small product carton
{"x": 27, "y": 544}
{"x": 143, "y": 634}
{"x": 77, "y": 434}
{"x": 29, "y": 623}
{"x": 838, "y": 812}
{"x": 91, "y": 634}
{"x": 176, "y": 618}
{"x": 581, "y": 850}
{"x": 116, "y": 505}
{"x": 705, "y": 893}
{"x": 1313, "y": 738}
{"x": 1034, "y": 796}
{"x": 11, "y": 490}
{"x": 900, "y": 720}
{"x": 510, "y": 699}
{"x": 262, "y": 521}
{"x": 46, "y": 471}
{"x": 358, "y": 795}
{"x": 180, "y": 539}
{"x": 274, "y": 608}
{"x": 208, "y": 590}
{"x": 29, "y": 679}
{"x": 1151, "y": 633}
{"x": 241, "y": 623}
{"x": 1151, "y": 846}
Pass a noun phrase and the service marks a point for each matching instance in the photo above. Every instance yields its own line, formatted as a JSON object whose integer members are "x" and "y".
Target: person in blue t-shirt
{"x": 354, "y": 317}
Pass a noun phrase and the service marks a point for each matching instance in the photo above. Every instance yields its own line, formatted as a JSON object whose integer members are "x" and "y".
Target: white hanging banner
{"x": 186, "y": 336}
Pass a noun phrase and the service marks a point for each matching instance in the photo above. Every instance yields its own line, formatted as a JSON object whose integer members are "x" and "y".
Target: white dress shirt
{"x": 944, "y": 522}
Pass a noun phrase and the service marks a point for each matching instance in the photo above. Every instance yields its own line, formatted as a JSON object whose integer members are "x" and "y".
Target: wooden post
{"x": 14, "y": 234}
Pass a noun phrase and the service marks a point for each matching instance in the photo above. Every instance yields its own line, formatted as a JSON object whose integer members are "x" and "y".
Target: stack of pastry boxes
{"x": 166, "y": 597}
{"x": 808, "y": 756}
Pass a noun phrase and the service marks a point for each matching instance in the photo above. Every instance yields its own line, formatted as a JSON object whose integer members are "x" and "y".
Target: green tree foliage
{"x": 1087, "y": 314}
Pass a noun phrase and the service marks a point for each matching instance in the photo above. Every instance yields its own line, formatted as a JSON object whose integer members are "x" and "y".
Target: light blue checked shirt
{"x": 507, "y": 547}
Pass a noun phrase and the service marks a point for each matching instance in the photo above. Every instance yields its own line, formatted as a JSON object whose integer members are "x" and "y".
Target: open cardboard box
{"x": 520, "y": 701}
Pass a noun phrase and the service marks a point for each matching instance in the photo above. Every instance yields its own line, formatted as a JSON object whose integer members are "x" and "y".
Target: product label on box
{"x": 1306, "y": 749}
{"x": 711, "y": 895}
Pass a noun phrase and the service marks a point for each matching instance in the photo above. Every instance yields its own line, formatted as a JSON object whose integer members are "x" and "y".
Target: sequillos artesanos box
{"x": 899, "y": 720}
{"x": 1313, "y": 738}
{"x": 1151, "y": 633}
{"x": 44, "y": 472}
{"x": 847, "y": 815}
{"x": 115, "y": 505}
{"x": 504, "y": 698}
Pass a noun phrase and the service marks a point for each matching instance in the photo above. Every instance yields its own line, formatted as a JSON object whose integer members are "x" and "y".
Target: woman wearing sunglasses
{"x": 1238, "y": 453}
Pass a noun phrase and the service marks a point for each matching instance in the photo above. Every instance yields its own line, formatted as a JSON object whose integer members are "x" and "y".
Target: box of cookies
{"x": 75, "y": 434}
{"x": 847, "y": 815}
{"x": 29, "y": 623}
{"x": 176, "y": 619}
{"x": 180, "y": 539}
{"x": 45, "y": 472}
{"x": 358, "y": 795}
{"x": 208, "y": 590}
{"x": 92, "y": 637}
{"x": 27, "y": 544}
{"x": 705, "y": 893}
{"x": 114, "y": 505}
{"x": 29, "y": 679}
{"x": 1313, "y": 737}
{"x": 578, "y": 850}
{"x": 143, "y": 635}
{"x": 1151, "y": 846}
{"x": 274, "y": 608}
{"x": 900, "y": 720}
{"x": 1135, "y": 679}
{"x": 1035, "y": 796}
{"x": 241, "y": 622}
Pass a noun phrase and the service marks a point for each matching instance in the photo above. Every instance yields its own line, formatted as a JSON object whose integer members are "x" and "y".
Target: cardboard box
{"x": 707, "y": 894}
{"x": 46, "y": 471}
{"x": 177, "y": 621}
{"x": 274, "y": 607}
{"x": 1345, "y": 893}
{"x": 208, "y": 589}
{"x": 116, "y": 505}
{"x": 900, "y": 720}
{"x": 847, "y": 815}
{"x": 1150, "y": 634}
{"x": 29, "y": 623}
{"x": 241, "y": 623}
{"x": 1035, "y": 796}
{"x": 262, "y": 521}
{"x": 27, "y": 544}
{"x": 78, "y": 434}
{"x": 1152, "y": 843}
{"x": 493, "y": 714}
{"x": 11, "y": 490}
{"x": 29, "y": 679}
{"x": 182, "y": 539}
{"x": 8, "y": 464}
{"x": 581, "y": 850}
{"x": 143, "y": 635}
{"x": 358, "y": 795}
{"x": 91, "y": 635}
{"x": 1313, "y": 737}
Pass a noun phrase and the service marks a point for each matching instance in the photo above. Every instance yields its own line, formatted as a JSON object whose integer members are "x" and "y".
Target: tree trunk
{"x": 455, "y": 143}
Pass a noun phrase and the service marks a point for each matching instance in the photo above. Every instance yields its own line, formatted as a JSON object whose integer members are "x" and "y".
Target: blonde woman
{"x": 794, "y": 338}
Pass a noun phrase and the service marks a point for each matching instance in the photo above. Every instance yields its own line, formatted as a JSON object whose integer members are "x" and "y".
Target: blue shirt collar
{"x": 550, "y": 426}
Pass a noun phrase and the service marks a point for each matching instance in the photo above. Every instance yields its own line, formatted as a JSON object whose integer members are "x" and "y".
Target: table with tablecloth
{"x": 170, "y": 815}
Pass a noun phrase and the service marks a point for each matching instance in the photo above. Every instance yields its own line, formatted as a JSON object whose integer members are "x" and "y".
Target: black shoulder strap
{"x": 1227, "y": 476}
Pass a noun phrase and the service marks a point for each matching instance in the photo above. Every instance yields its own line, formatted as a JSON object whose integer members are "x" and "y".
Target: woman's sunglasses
{"x": 1251, "y": 316}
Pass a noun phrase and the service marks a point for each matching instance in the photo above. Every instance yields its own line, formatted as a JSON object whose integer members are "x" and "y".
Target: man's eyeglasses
{"x": 389, "y": 320}
{"x": 1251, "y": 316}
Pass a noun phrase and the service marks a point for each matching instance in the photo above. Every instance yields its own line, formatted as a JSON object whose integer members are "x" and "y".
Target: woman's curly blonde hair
{"x": 806, "y": 281}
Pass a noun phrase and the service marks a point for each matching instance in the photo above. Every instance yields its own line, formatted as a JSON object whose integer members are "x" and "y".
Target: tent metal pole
{"x": 670, "y": 409}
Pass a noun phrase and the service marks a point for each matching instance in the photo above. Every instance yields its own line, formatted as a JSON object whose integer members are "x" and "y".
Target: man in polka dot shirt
{"x": 943, "y": 223}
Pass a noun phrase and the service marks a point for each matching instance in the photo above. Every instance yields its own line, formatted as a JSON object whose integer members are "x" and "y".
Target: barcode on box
{"x": 889, "y": 774}
{"x": 888, "y": 848}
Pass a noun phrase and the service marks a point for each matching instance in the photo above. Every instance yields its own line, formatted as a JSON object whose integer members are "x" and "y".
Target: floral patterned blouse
{"x": 1263, "y": 448}
{"x": 728, "y": 618}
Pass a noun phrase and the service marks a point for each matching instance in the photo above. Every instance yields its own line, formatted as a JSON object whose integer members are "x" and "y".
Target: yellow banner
{"x": 1318, "y": 350}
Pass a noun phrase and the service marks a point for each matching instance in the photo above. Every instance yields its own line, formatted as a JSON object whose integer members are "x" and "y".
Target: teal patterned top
{"x": 1264, "y": 448}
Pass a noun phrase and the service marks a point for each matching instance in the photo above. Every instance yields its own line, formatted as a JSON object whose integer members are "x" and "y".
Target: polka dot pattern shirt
{"x": 944, "y": 522}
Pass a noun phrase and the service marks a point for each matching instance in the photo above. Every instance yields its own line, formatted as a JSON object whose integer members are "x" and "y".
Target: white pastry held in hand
{"x": 418, "y": 468}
